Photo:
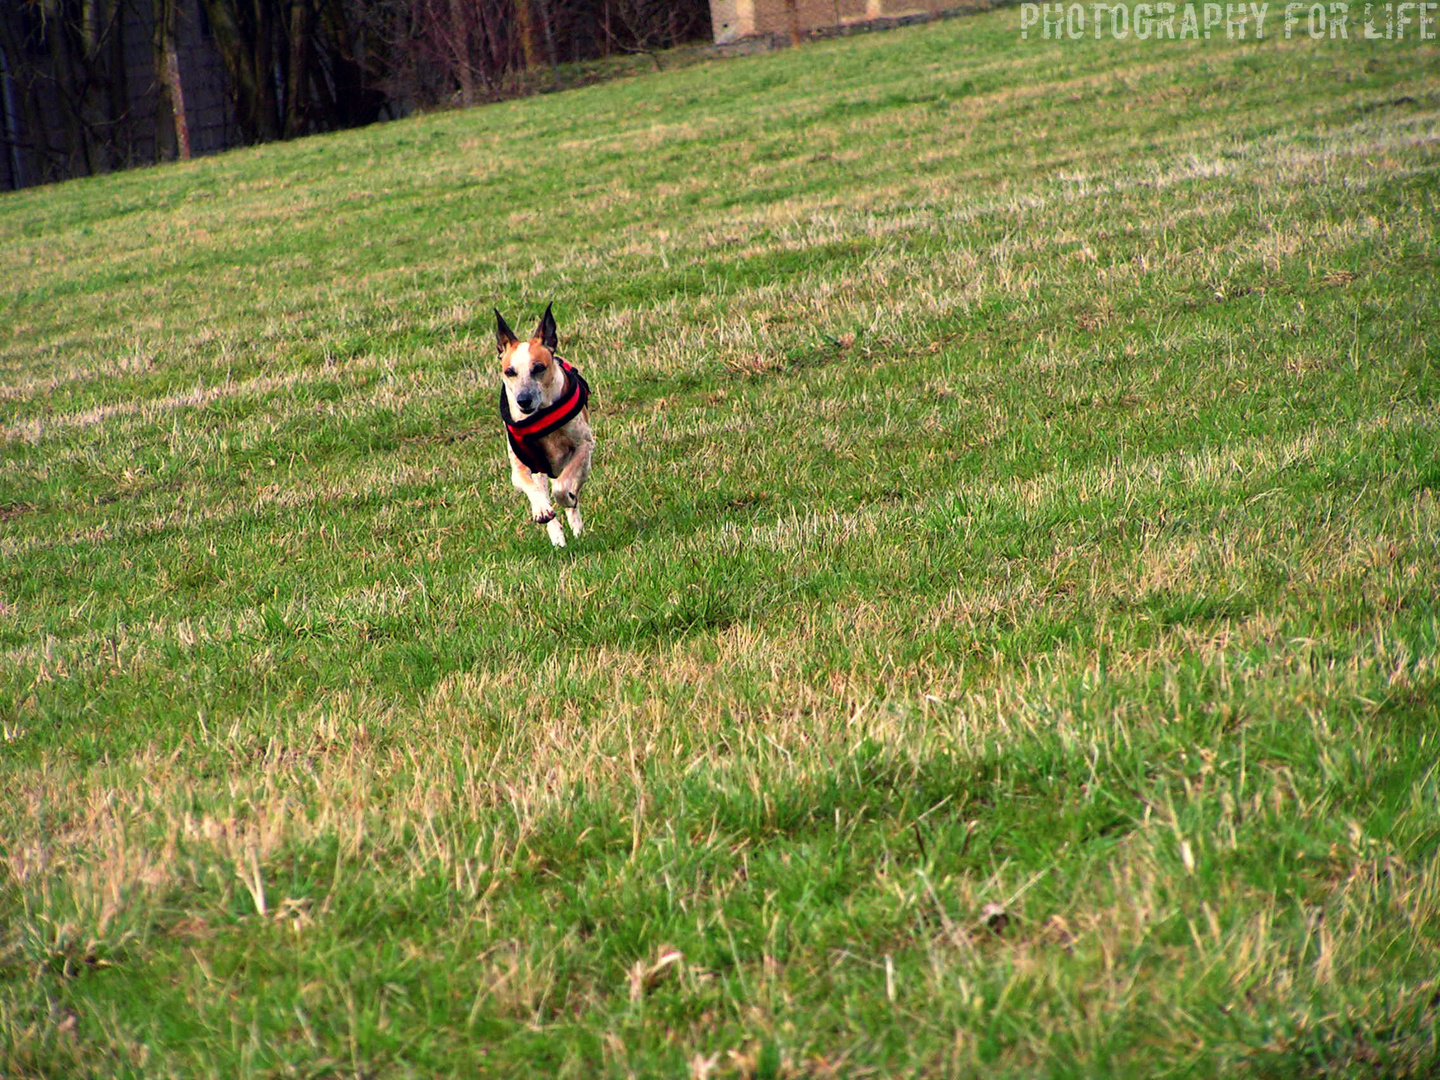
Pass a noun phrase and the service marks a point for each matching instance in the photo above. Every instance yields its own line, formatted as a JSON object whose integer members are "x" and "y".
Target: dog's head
{"x": 528, "y": 368}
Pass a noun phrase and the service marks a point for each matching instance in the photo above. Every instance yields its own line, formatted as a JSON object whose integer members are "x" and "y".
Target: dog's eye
{"x": 509, "y": 372}
{"x": 537, "y": 369}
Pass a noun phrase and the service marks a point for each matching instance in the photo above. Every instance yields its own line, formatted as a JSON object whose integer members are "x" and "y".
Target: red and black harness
{"x": 525, "y": 436}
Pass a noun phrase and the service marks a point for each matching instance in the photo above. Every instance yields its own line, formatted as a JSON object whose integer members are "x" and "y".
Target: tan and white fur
{"x": 533, "y": 381}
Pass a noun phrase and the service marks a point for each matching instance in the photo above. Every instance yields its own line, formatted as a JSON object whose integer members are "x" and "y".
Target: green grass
{"x": 1016, "y": 485}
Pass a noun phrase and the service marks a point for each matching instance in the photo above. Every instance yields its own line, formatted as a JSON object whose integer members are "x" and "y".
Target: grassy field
{"x": 1005, "y": 639}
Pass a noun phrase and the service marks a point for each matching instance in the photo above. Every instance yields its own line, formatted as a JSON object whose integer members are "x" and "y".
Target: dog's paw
{"x": 544, "y": 517}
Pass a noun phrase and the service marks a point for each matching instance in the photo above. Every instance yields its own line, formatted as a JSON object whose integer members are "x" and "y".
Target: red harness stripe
{"x": 547, "y": 415}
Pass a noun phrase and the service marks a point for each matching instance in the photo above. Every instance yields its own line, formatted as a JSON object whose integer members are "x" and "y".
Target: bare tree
{"x": 454, "y": 47}
{"x": 792, "y": 15}
{"x": 172, "y": 126}
{"x": 638, "y": 26}
{"x": 527, "y": 21}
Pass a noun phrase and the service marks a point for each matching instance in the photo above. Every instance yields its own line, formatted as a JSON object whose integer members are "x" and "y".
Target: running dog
{"x": 544, "y": 403}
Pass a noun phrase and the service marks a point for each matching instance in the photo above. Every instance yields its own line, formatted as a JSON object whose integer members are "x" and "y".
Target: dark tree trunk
{"x": 548, "y": 22}
{"x": 172, "y": 123}
{"x": 70, "y": 83}
{"x": 122, "y": 136}
{"x": 296, "y": 104}
{"x": 33, "y": 153}
{"x": 527, "y": 19}
{"x": 356, "y": 101}
{"x": 262, "y": 46}
{"x": 792, "y": 10}
{"x": 244, "y": 36}
{"x": 463, "y": 51}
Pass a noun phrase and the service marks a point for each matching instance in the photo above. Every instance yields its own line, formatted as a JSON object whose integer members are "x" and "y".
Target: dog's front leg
{"x": 571, "y": 480}
{"x": 533, "y": 488}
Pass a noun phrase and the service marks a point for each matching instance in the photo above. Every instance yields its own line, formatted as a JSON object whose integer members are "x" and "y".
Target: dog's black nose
{"x": 527, "y": 401}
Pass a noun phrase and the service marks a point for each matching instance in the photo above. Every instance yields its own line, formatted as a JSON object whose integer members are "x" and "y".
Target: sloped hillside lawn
{"x": 1004, "y": 642}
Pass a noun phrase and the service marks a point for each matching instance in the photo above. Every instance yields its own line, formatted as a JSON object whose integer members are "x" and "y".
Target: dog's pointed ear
{"x": 503, "y": 334}
{"x": 546, "y": 330}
